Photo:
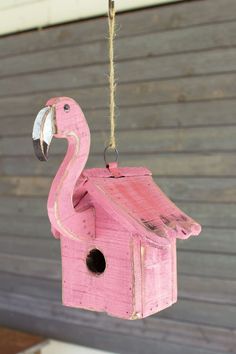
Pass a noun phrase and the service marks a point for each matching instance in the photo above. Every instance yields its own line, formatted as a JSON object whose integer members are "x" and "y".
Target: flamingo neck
{"x": 60, "y": 201}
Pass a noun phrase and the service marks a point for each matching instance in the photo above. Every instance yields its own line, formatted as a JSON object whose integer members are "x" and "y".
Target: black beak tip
{"x": 41, "y": 151}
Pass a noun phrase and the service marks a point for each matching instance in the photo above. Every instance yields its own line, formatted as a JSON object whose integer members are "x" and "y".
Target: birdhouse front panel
{"x": 117, "y": 228}
{"x": 97, "y": 275}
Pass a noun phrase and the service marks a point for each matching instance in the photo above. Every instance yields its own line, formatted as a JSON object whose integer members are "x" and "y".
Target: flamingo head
{"x": 57, "y": 118}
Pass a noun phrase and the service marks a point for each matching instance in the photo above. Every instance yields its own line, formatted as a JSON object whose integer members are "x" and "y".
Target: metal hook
{"x": 115, "y": 151}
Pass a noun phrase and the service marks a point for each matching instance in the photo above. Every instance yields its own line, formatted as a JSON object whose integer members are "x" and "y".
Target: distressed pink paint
{"x": 124, "y": 214}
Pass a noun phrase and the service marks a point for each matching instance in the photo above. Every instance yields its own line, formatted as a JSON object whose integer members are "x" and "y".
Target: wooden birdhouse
{"x": 117, "y": 229}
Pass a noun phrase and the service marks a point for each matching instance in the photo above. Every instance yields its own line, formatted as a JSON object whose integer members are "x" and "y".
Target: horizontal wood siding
{"x": 176, "y": 69}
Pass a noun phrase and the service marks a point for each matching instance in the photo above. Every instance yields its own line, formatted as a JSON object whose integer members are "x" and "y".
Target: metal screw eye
{"x": 110, "y": 149}
{"x": 66, "y": 108}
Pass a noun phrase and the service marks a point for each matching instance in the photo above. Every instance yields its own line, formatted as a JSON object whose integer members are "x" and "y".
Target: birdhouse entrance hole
{"x": 96, "y": 262}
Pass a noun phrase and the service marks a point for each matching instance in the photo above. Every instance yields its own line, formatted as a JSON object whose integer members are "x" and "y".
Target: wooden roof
{"x": 131, "y": 196}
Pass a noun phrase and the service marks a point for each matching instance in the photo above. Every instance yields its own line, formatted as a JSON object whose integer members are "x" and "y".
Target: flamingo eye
{"x": 66, "y": 108}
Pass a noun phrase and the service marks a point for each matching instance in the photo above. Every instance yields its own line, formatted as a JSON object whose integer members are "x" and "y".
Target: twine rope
{"x": 112, "y": 82}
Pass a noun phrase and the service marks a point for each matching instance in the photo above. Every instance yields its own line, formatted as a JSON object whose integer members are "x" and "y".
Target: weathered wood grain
{"x": 152, "y": 141}
{"x": 165, "y": 67}
{"x": 23, "y": 206}
{"x": 25, "y": 186}
{"x": 184, "y": 164}
{"x": 202, "y": 312}
{"x": 187, "y": 114}
{"x": 213, "y": 239}
{"x": 25, "y": 225}
{"x": 211, "y": 215}
{"x": 207, "y": 265}
{"x": 151, "y": 92}
{"x": 36, "y": 267}
{"x": 30, "y": 286}
{"x": 38, "y": 247}
{"x": 199, "y": 189}
{"x": 205, "y": 289}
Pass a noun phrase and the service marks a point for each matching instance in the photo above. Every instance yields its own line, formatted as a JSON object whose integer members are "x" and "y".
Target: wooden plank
{"x": 31, "y": 286}
{"x": 199, "y": 189}
{"x": 187, "y": 114}
{"x": 162, "y": 329}
{"x": 28, "y": 166}
{"x": 208, "y": 164}
{"x": 211, "y": 240}
{"x": 23, "y": 206}
{"x": 160, "y": 19}
{"x": 152, "y": 92}
{"x": 212, "y": 215}
{"x": 205, "y": 289}
{"x": 44, "y": 248}
{"x": 202, "y": 312}
{"x": 141, "y": 141}
{"x": 150, "y": 141}
{"x": 36, "y": 267}
{"x": 181, "y": 65}
{"x": 207, "y": 265}
{"x": 184, "y": 164}
{"x": 25, "y": 225}
{"x": 25, "y": 186}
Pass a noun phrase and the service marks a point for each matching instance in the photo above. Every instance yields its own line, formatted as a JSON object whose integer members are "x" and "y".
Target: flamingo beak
{"x": 43, "y": 130}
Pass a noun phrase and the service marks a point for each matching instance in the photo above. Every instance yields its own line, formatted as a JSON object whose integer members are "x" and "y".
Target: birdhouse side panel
{"x": 159, "y": 288}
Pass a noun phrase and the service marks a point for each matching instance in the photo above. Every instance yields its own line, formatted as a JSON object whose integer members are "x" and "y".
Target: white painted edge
{"x": 35, "y": 348}
{"x": 57, "y": 347}
{"x": 20, "y": 15}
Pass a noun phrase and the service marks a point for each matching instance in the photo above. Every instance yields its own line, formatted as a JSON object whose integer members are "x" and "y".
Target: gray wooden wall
{"x": 177, "y": 116}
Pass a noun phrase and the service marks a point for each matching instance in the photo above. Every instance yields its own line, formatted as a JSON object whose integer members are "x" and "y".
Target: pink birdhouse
{"x": 117, "y": 229}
